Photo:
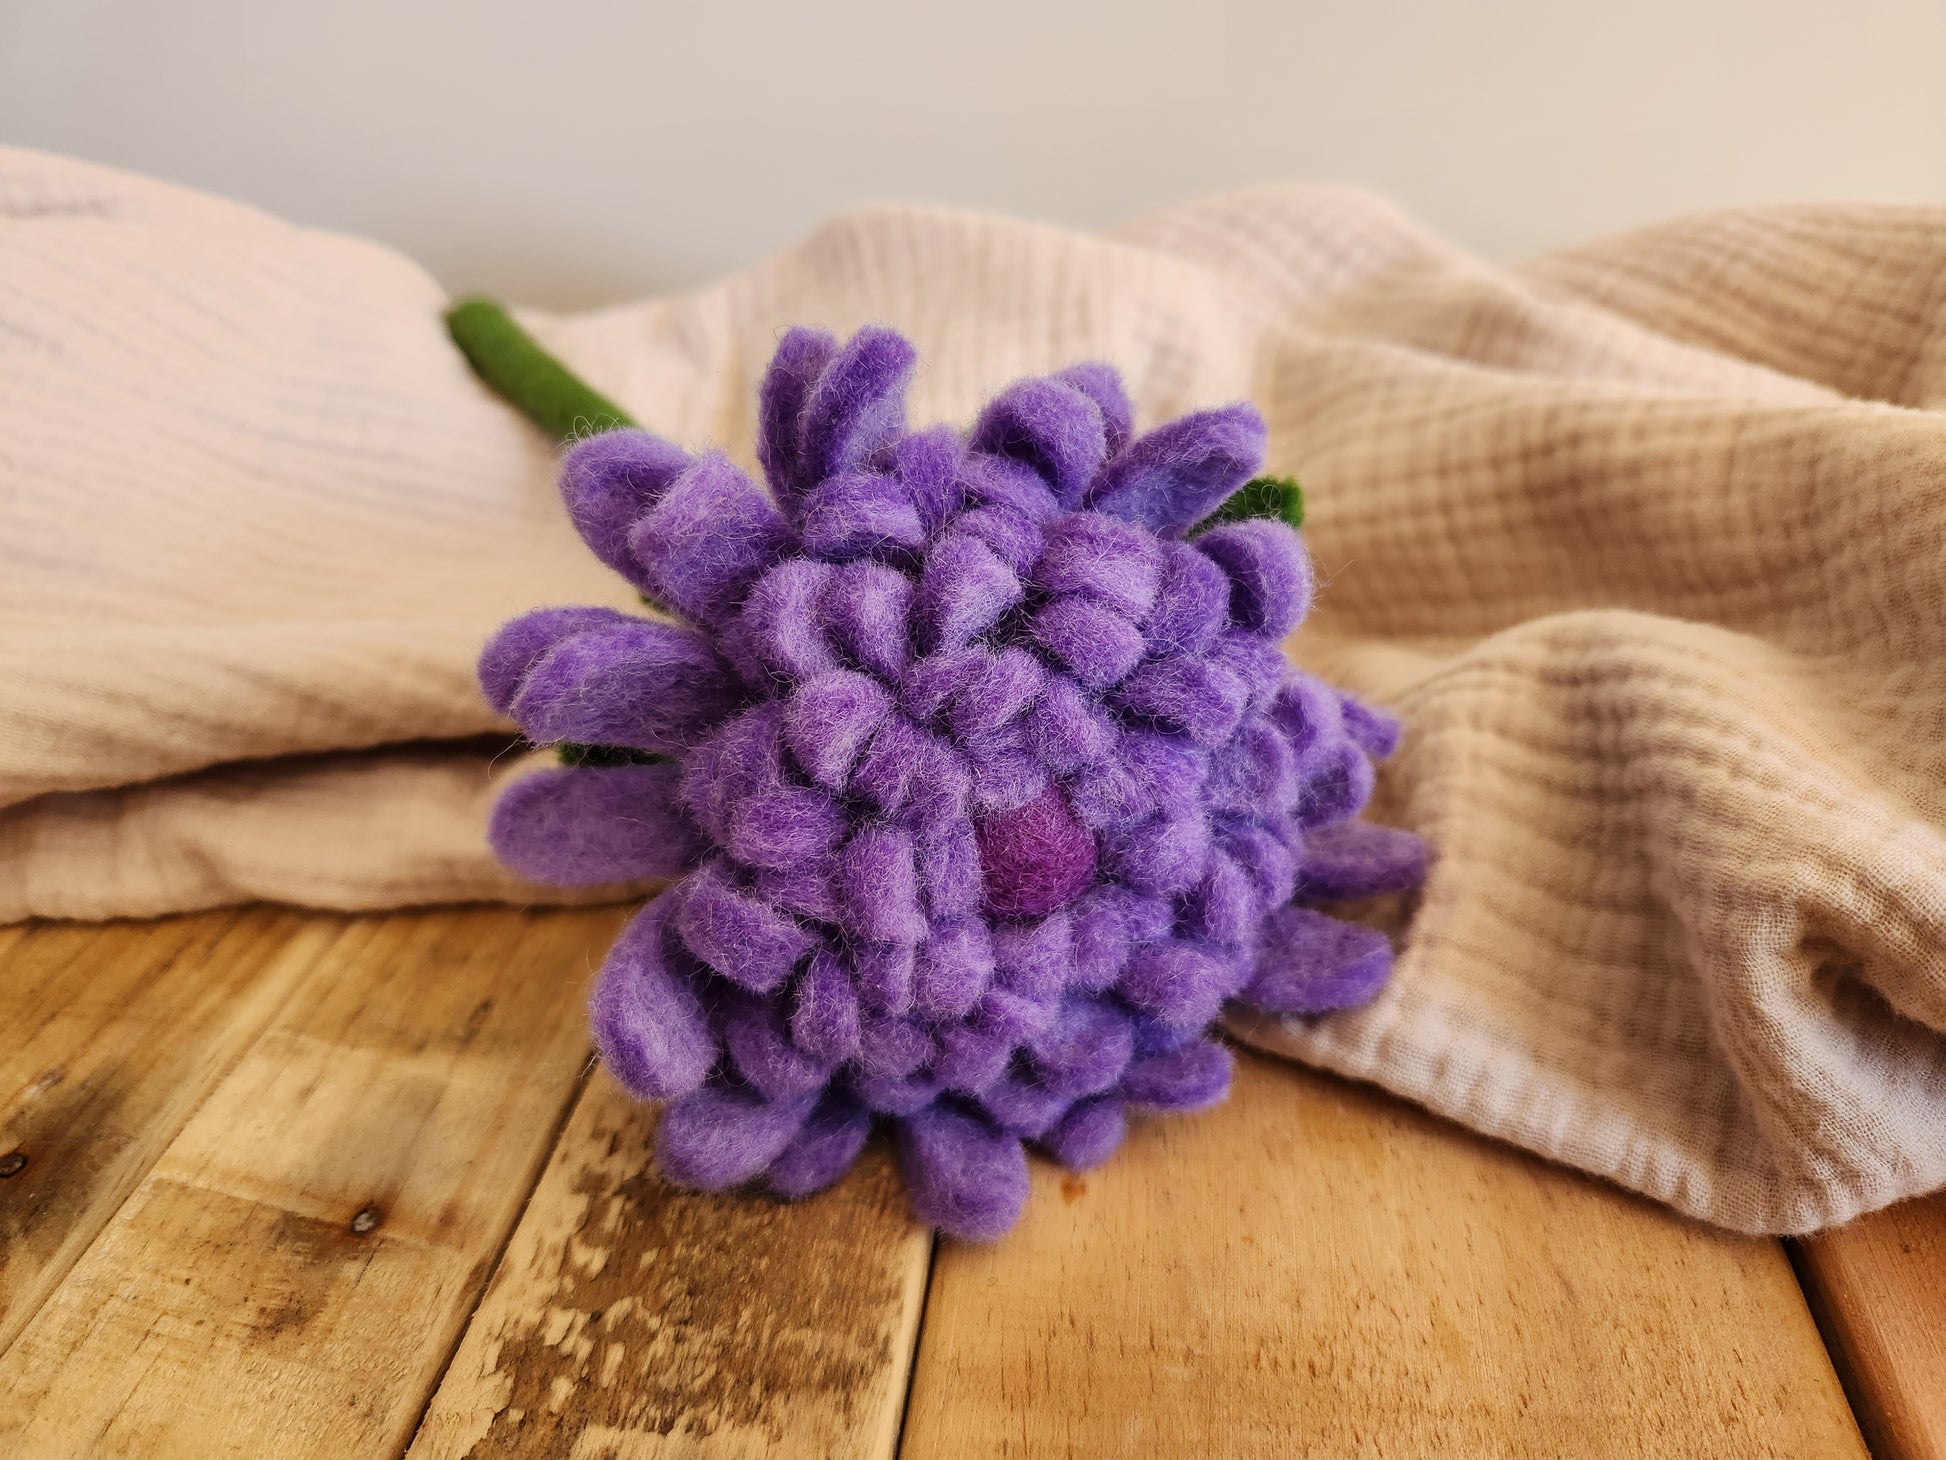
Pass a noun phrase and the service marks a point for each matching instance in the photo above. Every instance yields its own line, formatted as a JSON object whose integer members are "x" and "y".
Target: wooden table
{"x": 276, "y": 1184}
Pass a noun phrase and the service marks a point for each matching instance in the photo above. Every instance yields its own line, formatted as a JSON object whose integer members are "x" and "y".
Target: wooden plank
{"x": 630, "y": 1320}
{"x": 113, "y": 1036}
{"x": 1878, "y": 1289}
{"x": 1315, "y": 1268}
{"x": 293, "y": 1272}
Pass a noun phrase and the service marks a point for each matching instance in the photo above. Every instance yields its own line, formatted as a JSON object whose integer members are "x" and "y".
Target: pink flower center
{"x": 1035, "y": 858}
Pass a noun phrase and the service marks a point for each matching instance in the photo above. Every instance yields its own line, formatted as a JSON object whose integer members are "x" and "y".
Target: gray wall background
{"x": 588, "y": 150}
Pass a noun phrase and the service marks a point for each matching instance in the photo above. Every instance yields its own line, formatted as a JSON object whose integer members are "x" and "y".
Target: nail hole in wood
{"x": 367, "y": 1220}
{"x": 12, "y": 1164}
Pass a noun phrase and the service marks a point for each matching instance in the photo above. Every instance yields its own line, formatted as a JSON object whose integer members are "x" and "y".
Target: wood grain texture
{"x": 1878, "y": 1286}
{"x": 292, "y": 1273}
{"x": 632, "y": 1320}
{"x": 1317, "y": 1269}
{"x": 113, "y": 1036}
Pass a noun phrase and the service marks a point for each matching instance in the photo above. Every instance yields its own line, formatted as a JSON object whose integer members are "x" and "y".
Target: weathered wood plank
{"x": 113, "y": 1036}
{"x": 294, "y": 1270}
{"x": 630, "y": 1320}
{"x": 1315, "y": 1268}
{"x": 1878, "y": 1286}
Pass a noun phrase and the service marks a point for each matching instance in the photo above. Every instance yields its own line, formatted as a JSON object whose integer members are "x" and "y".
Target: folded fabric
{"x": 1641, "y": 540}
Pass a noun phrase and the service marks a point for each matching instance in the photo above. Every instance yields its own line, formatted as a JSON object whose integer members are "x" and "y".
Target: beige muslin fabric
{"x": 1644, "y": 541}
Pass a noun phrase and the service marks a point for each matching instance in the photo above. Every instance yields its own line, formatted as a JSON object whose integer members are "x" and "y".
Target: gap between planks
{"x": 1876, "y": 1285}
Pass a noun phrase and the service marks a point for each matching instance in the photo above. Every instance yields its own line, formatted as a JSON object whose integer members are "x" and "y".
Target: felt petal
{"x": 928, "y": 462}
{"x": 866, "y": 611}
{"x": 858, "y": 404}
{"x": 648, "y": 1024}
{"x": 1308, "y": 963}
{"x": 519, "y": 644}
{"x": 1201, "y": 700}
{"x": 1102, "y": 557}
{"x": 824, "y": 1149}
{"x": 778, "y": 634}
{"x": 1097, "y": 645}
{"x": 1085, "y": 1049}
{"x": 709, "y": 538}
{"x": 1376, "y": 732}
{"x": 1271, "y": 582}
{"x": 1179, "y": 473}
{"x": 1358, "y": 859}
{"x": 1102, "y": 384}
{"x": 1192, "y": 1077}
{"x": 967, "y": 1178}
{"x": 1088, "y": 1134}
{"x": 609, "y": 482}
{"x": 721, "y": 1137}
{"x": 749, "y": 942}
{"x": 761, "y": 1049}
{"x": 963, "y": 590}
{"x": 1180, "y": 982}
{"x": 1338, "y": 789}
{"x": 1192, "y": 603}
{"x": 587, "y": 825}
{"x": 801, "y": 358}
{"x": 860, "y": 514}
{"x": 641, "y": 684}
{"x": 828, "y": 720}
{"x": 1049, "y": 426}
{"x": 825, "y": 1022}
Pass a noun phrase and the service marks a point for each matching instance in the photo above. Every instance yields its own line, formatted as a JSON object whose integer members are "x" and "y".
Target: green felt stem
{"x": 1279, "y": 497}
{"x": 513, "y": 363}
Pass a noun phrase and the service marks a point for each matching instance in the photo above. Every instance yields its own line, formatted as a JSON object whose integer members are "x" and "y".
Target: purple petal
{"x": 967, "y": 1178}
{"x": 710, "y": 537}
{"x": 955, "y": 964}
{"x": 648, "y": 1024}
{"x": 1202, "y": 700}
{"x": 828, "y": 721}
{"x": 823, "y": 1150}
{"x": 749, "y": 942}
{"x": 1085, "y": 1049}
{"x": 963, "y": 591}
{"x": 860, "y": 514}
{"x": 1309, "y": 964}
{"x": 519, "y": 644}
{"x": 802, "y": 356}
{"x": 1179, "y": 983}
{"x": 1088, "y": 1134}
{"x": 1102, "y": 384}
{"x": 1049, "y": 426}
{"x": 1096, "y": 644}
{"x": 719, "y": 1138}
{"x": 1192, "y": 603}
{"x": 650, "y": 686}
{"x": 1103, "y": 558}
{"x": 1179, "y": 473}
{"x": 858, "y": 404}
{"x": 866, "y": 609}
{"x": 760, "y": 1048}
{"x": 825, "y": 1022}
{"x": 1192, "y": 1077}
{"x": 1358, "y": 859}
{"x": 1376, "y": 732}
{"x": 586, "y": 825}
{"x": 609, "y": 482}
{"x": 1271, "y": 582}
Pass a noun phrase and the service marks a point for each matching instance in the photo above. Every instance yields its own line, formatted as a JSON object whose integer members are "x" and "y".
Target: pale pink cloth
{"x": 1644, "y": 540}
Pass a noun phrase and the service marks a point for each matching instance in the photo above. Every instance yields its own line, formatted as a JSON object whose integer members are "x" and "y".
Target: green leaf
{"x": 1279, "y": 497}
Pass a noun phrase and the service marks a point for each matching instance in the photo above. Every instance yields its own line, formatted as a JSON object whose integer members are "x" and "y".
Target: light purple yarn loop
{"x": 986, "y": 781}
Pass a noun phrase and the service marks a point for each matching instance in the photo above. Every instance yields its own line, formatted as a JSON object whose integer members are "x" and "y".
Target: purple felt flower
{"x": 985, "y": 782}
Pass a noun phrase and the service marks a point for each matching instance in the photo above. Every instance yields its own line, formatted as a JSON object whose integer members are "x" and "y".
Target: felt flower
{"x": 982, "y": 774}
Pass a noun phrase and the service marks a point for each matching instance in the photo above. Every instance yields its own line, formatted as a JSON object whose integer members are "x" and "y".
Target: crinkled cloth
{"x": 1642, "y": 540}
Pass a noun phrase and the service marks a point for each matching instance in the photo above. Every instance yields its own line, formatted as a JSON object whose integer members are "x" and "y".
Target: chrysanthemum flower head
{"x": 984, "y": 778}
